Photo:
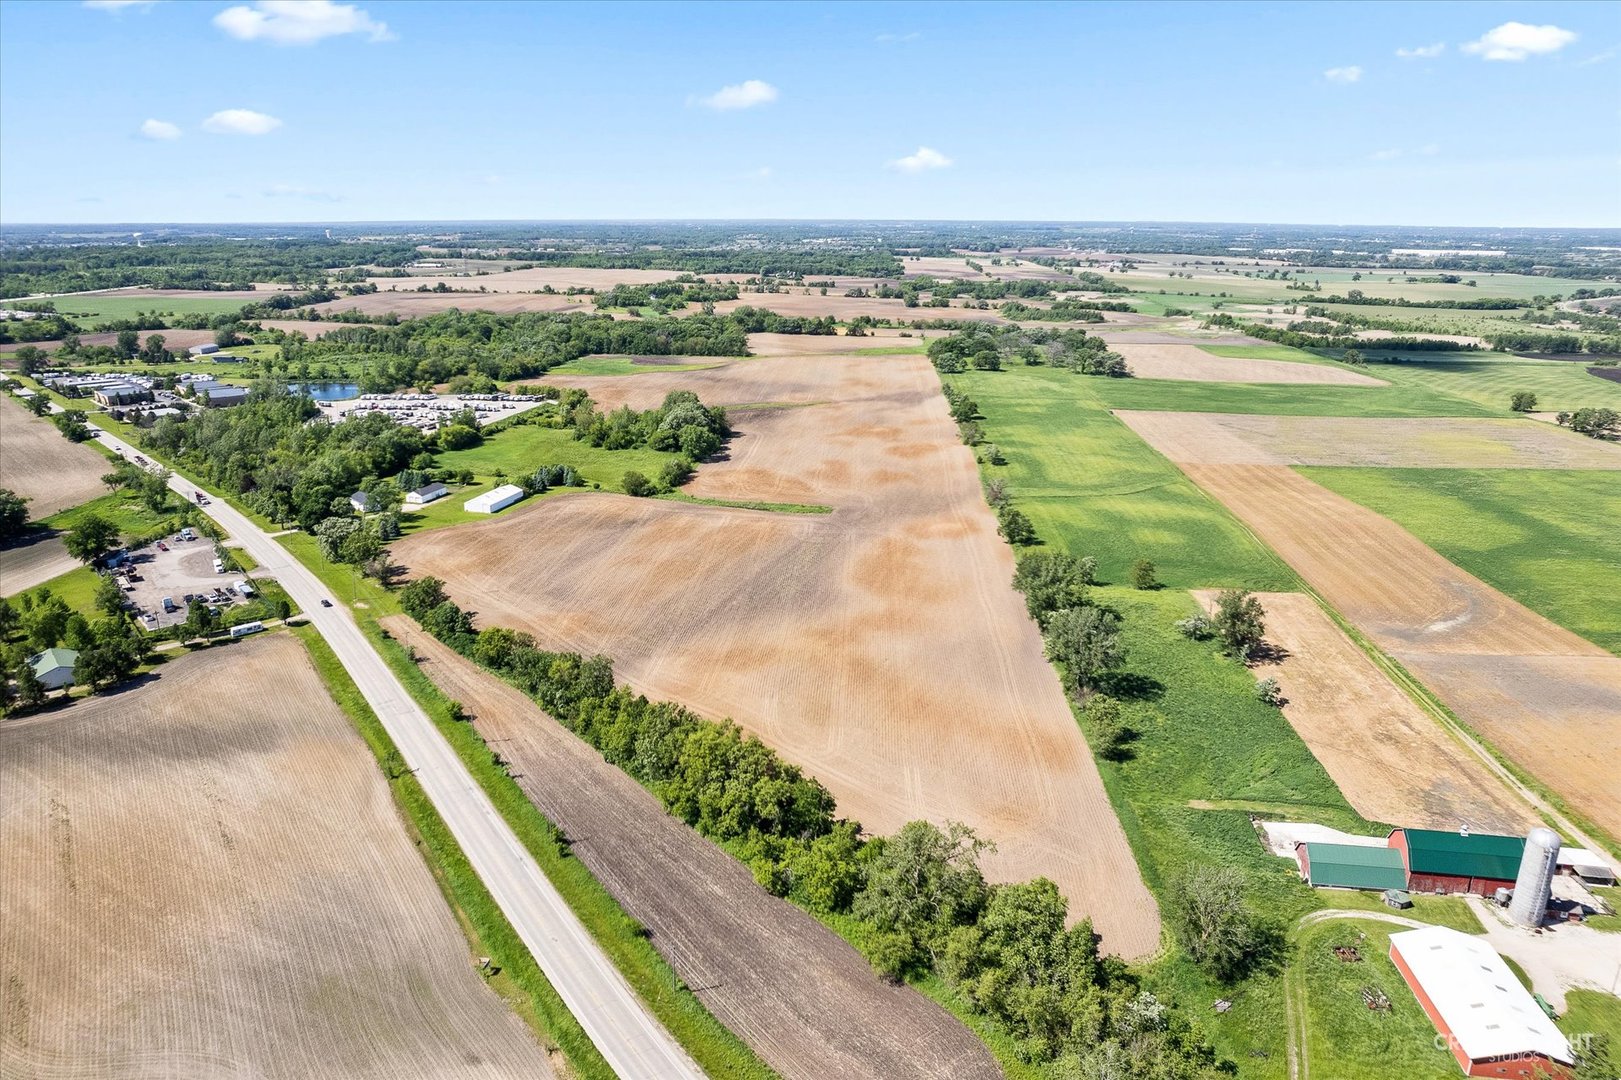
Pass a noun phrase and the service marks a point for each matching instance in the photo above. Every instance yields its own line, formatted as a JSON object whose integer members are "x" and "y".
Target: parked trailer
{"x": 244, "y": 629}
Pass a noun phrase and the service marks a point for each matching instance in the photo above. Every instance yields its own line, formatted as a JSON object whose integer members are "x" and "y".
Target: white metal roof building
{"x": 1489, "y": 1021}
{"x": 497, "y": 499}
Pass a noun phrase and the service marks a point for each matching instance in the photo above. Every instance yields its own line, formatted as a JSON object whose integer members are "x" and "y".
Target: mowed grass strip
{"x": 1287, "y": 400}
{"x": 1546, "y": 537}
{"x": 1092, "y": 487}
{"x": 1558, "y": 384}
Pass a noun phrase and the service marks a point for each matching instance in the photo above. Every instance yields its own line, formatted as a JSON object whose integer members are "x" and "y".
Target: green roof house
{"x": 54, "y": 667}
{"x": 1350, "y": 866}
{"x": 1458, "y": 862}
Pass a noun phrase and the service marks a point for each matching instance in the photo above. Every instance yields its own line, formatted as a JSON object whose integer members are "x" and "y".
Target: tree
{"x": 636, "y": 484}
{"x": 997, "y": 491}
{"x": 1050, "y": 581}
{"x": 1106, "y": 721}
{"x": 1598, "y": 423}
{"x": 1015, "y": 527}
{"x": 128, "y": 342}
{"x": 200, "y": 621}
{"x": 109, "y": 596}
{"x": 13, "y": 514}
{"x": 924, "y": 881}
{"x": 72, "y": 425}
{"x": 154, "y": 351}
{"x": 154, "y": 490}
{"x": 333, "y": 533}
{"x": 91, "y": 537}
{"x": 1211, "y": 922}
{"x": 1523, "y": 401}
{"x": 1239, "y": 622}
{"x": 1354, "y": 357}
{"x": 39, "y": 404}
{"x": 30, "y": 358}
{"x": 30, "y": 691}
{"x": 1142, "y": 575}
{"x": 1087, "y": 642}
{"x": 422, "y": 596}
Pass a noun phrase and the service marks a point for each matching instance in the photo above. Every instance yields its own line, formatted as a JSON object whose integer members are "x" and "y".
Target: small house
{"x": 54, "y": 667}
{"x": 424, "y": 495}
{"x": 363, "y": 502}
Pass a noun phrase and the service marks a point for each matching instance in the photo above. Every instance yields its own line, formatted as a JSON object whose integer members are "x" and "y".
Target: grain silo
{"x": 1532, "y": 886}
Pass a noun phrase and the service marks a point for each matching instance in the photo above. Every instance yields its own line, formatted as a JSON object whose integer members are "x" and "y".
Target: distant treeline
{"x": 779, "y": 264}
{"x": 1355, "y": 296}
{"x": 1319, "y": 335}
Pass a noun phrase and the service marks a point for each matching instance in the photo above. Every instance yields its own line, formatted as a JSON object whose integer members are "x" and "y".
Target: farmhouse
{"x": 1350, "y": 866}
{"x": 363, "y": 502}
{"x": 54, "y": 667}
{"x": 1458, "y": 862}
{"x": 1489, "y": 1021}
{"x": 493, "y": 501}
{"x": 423, "y": 495}
{"x": 125, "y": 393}
{"x": 222, "y": 397}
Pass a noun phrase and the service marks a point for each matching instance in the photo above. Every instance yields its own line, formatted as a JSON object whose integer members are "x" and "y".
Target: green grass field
{"x": 93, "y": 308}
{"x": 521, "y": 449}
{"x": 1286, "y": 400}
{"x": 1558, "y": 384}
{"x": 1593, "y": 1012}
{"x": 622, "y": 365}
{"x": 1092, "y": 487}
{"x": 125, "y": 511}
{"x": 1267, "y": 352}
{"x": 1546, "y": 537}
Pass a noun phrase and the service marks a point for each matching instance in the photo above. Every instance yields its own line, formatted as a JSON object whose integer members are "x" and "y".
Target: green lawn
{"x": 622, "y": 365}
{"x": 1546, "y": 537}
{"x": 76, "y": 589}
{"x": 93, "y": 308}
{"x": 1092, "y": 487}
{"x": 1344, "y": 1038}
{"x": 1593, "y": 1013}
{"x": 1558, "y": 384}
{"x": 1286, "y": 400}
{"x": 127, "y": 512}
{"x": 1451, "y": 911}
{"x": 521, "y": 449}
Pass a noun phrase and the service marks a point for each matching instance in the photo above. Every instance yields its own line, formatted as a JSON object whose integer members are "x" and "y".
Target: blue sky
{"x": 1498, "y": 114}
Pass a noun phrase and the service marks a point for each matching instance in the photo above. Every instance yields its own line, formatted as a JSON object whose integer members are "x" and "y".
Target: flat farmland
{"x": 796, "y": 302}
{"x": 1393, "y": 763}
{"x": 206, "y": 876}
{"x": 880, "y": 646}
{"x": 805, "y": 1001}
{"x": 43, "y": 467}
{"x": 410, "y": 304}
{"x": 1434, "y": 443}
{"x": 124, "y": 303}
{"x": 1191, "y": 363}
{"x": 24, "y": 565}
{"x": 1558, "y": 384}
{"x": 1542, "y": 696}
{"x": 533, "y": 279}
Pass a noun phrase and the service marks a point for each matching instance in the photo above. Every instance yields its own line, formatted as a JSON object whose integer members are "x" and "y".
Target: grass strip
{"x": 744, "y": 504}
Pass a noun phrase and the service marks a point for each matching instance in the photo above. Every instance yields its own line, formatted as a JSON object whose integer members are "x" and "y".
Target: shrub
{"x": 1239, "y": 622}
{"x": 1142, "y": 575}
{"x": 1087, "y": 642}
{"x": 1270, "y": 693}
{"x": 1523, "y": 401}
{"x": 675, "y": 473}
{"x": 638, "y": 485}
{"x": 1105, "y": 718}
{"x": 1015, "y": 527}
{"x": 997, "y": 491}
{"x": 1218, "y": 930}
{"x": 1197, "y": 627}
{"x": 992, "y": 455}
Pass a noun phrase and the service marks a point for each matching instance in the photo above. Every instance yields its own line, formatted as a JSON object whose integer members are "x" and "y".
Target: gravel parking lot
{"x": 176, "y": 569}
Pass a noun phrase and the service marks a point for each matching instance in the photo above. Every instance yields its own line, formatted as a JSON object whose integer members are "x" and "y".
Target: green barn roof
{"x": 1351, "y": 866}
{"x": 1480, "y": 855}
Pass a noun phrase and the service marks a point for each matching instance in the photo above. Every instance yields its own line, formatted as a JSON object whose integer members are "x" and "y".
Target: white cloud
{"x": 117, "y": 6}
{"x": 921, "y": 161}
{"x": 1423, "y": 52}
{"x": 1384, "y": 155}
{"x": 160, "y": 129}
{"x": 745, "y": 95}
{"x": 1517, "y": 40}
{"x": 1427, "y": 150}
{"x": 298, "y": 22}
{"x": 891, "y": 38}
{"x": 1343, "y": 75}
{"x": 1597, "y": 58}
{"x": 299, "y": 191}
{"x": 240, "y": 122}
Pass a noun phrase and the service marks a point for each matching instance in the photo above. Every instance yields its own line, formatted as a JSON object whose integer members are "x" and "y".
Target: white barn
{"x": 495, "y": 500}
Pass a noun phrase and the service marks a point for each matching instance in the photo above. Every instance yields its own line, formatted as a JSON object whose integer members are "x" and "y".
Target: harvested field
{"x": 24, "y": 565}
{"x": 412, "y": 304}
{"x": 1392, "y": 762}
{"x": 880, "y": 646}
{"x": 1192, "y": 364}
{"x": 40, "y": 465}
{"x": 1385, "y": 335}
{"x": 531, "y": 280}
{"x": 309, "y": 328}
{"x": 1544, "y": 697}
{"x": 175, "y": 340}
{"x": 232, "y": 895}
{"x": 805, "y": 1001}
{"x": 1399, "y": 442}
{"x": 1121, "y": 329}
{"x": 844, "y": 308}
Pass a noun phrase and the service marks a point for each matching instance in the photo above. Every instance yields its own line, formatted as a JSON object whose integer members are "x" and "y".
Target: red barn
{"x": 1458, "y": 862}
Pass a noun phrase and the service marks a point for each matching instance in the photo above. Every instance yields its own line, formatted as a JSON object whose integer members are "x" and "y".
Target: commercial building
{"x": 222, "y": 397}
{"x": 1458, "y": 862}
{"x": 1348, "y": 866}
{"x": 54, "y": 667}
{"x": 127, "y": 393}
{"x": 1488, "y": 1020}
{"x": 493, "y": 501}
{"x": 427, "y": 494}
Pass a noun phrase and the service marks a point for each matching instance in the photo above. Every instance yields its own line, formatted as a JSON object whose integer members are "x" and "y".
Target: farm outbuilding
{"x": 203, "y": 350}
{"x": 1350, "y": 866}
{"x": 426, "y": 494}
{"x": 1486, "y": 1018}
{"x": 54, "y": 667}
{"x": 494, "y": 500}
{"x": 217, "y": 396}
{"x": 1458, "y": 862}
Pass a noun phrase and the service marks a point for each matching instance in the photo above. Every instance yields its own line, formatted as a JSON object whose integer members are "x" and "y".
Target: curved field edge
{"x": 716, "y": 1049}
{"x": 520, "y": 982}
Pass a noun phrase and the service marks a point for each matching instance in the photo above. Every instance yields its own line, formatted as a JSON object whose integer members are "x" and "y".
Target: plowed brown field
{"x": 1189, "y": 363}
{"x": 880, "y": 646}
{"x": 206, "y": 876}
{"x": 411, "y": 304}
{"x": 39, "y": 464}
{"x": 1547, "y": 699}
{"x": 802, "y": 998}
{"x": 1391, "y": 761}
{"x": 1398, "y": 442}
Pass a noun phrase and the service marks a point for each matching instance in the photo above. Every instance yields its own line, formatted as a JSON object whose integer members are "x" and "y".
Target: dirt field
{"x": 306, "y": 327}
{"x": 205, "y": 876}
{"x": 844, "y": 308}
{"x": 24, "y": 566}
{"x": 1392, "y": 762}
{"x": 1189, "y": 363}
{"x": 1547, "y": 699}
{"x": 802, "y": 998}
{"x": 531, "y": 280}
{"x": 880, "y": 646}
{"x": 1409, "y": 442}
{"x": 40, "y": 465}
{"x": 410, "y": 305}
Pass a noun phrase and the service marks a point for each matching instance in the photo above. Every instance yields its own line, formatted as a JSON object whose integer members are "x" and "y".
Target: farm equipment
{"x": 1375, "y": 999}
{"x": 1348, "y": 954}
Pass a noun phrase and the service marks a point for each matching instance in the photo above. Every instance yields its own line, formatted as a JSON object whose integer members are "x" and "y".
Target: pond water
{"x": 325, "y": 391}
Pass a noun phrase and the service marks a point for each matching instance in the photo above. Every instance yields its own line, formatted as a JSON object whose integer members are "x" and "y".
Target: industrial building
{"x": 1489, "y": 1022}
{"x": 426, "y": 494}
{"x": 1458, "y": 862}
{"x": 495, "y": 500}
{"x": 222, "y": 397}
{"x": 125, "y": 393}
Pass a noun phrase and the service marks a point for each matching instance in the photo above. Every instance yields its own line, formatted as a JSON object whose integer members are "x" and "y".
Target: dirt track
{"x": 802, "y": 998}
{"x": 1546, "y": 698}
{"x": 1392, "y": 762}
{"x": 880, "y": 646}
{"x": 206, "y": 876}
{"x": 1189, "y": 363}
{"x": 1395, "y": 442}
{"x": 39, "y": 464}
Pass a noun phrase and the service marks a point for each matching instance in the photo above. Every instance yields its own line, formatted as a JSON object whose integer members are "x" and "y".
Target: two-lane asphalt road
{"x": 632, "y": 1041}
